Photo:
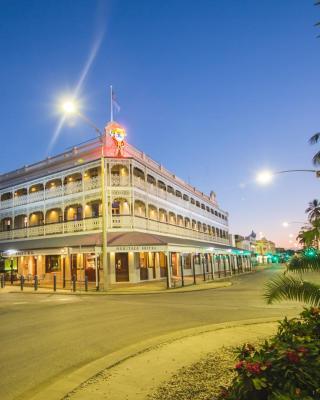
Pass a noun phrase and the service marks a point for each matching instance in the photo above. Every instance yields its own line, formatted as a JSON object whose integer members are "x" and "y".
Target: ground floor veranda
{"x": 131, "y": 258}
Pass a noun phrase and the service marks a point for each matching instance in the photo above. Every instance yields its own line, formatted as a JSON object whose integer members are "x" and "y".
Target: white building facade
{"x": 114, "y": 217}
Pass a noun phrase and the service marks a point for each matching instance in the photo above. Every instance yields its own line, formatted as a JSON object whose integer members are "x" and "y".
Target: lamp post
{"x": 70, "y": 108}
{"x": 266, "y": 177}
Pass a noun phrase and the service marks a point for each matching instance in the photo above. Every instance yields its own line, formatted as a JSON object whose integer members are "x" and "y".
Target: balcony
{"x": 126, "y": 222}
{"x": 67, "y": 227}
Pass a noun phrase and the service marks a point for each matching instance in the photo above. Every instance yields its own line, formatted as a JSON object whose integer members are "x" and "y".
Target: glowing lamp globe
{"x": 69, "y": 107}
{"x": 264, "y": 177}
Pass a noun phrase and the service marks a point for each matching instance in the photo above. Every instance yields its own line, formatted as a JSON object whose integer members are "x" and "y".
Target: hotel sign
{"x": 139, "y": 248}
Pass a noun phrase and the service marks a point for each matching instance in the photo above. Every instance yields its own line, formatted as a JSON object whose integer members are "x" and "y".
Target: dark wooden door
{"x": 122, "y": 267}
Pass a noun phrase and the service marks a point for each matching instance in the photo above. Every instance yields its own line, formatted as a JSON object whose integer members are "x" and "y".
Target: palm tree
{"x": 288, "y": 287}
{"x": 313, "y": 140}
{"x": 313, "y": 209}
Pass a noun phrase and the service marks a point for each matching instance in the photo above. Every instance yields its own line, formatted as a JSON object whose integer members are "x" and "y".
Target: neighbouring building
{"x": 246, "y": 242}
{"x": 265, "y": 249}
{"x": 110, "y": 212}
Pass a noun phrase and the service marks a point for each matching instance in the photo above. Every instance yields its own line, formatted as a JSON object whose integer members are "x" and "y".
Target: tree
{"x": 313, "y": 140}
{"x": 288, "y": 287}
{"x": 313, "y": 210}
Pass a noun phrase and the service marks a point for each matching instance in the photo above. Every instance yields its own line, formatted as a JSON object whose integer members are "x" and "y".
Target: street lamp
{"x": 285, "y": 224}
{"x": 70, "y": 107}
{"x": 265, "y": 177}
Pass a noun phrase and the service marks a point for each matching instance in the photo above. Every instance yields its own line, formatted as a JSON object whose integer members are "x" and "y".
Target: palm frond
{"x": 304, "y": 264}
{"x": 315, "y": 138}
{"x": 316, "y": 158}
{"x": 290, "y": 288}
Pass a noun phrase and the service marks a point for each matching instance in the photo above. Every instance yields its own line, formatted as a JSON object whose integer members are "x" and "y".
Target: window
{"x": 170, "y": 189}
{"x": 192, "y": 201}
{"x": 187, "y": 261}
{"x": 203, "y": 206}
{"x": 53, "y": 263}
{"x": 115, "y": 208}
{"x": 95, "y": 210}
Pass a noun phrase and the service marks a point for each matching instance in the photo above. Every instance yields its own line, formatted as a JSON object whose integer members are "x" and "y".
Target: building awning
{"x": 117, "y": 241}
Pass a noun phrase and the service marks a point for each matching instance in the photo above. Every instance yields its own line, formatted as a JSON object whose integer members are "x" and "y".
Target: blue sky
{"x": 215, "y": 90}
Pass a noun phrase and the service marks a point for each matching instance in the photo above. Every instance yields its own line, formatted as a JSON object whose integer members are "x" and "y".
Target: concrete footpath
{"x": 136, "y": 371}
{"x": 158, "y": 287}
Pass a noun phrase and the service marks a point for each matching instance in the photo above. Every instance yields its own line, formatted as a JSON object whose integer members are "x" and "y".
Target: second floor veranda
{"x": 117, "y": 175}
{"x": 76, "y": 218}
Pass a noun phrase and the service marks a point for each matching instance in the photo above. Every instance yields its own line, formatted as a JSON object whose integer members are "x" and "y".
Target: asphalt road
{"x": 45, "y": 336}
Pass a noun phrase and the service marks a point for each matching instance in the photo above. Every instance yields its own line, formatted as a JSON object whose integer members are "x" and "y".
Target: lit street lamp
{"x": 265, "y": 177}
{"x": 69, "y": 108}
{"x": 285, "y": 224}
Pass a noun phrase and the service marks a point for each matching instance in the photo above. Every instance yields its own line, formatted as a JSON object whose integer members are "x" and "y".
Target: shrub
{"x": 285, "y": 367}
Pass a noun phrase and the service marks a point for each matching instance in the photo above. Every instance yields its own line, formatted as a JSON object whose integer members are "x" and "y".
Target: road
{"x": 45, "y": 336}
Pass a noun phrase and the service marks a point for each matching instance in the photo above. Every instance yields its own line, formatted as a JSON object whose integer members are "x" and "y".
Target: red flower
{"x": 302, "y": 350}
{"x": 293, "y": 357}
{"x": 239, "y": 365}
{"x": 254, "y": 368}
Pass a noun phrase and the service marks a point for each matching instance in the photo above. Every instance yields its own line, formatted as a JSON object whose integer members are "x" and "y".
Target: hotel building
{"x": 109, "y": 212}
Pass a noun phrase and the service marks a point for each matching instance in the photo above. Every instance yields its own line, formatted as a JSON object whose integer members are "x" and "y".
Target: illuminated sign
{"x": 118, "y": 134}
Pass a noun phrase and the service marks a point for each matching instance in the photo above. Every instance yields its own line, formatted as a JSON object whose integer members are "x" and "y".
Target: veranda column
{"x": 212, "y": 265}
{"x": 193, "y": 269}
{"x": 229, "y": 264}
{"x": 181, "y": 268}
{"x": 169, "y": 285}
{"x": 203, "y": 270}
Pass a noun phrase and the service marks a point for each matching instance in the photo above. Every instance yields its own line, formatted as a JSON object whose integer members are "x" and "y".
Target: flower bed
{"x": 285, "y": 367}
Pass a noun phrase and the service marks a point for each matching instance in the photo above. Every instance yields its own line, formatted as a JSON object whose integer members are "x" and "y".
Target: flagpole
{"x": 111, "y": 104}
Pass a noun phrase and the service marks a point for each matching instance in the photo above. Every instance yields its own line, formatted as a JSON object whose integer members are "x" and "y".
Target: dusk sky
{"x": 215, "y": 90}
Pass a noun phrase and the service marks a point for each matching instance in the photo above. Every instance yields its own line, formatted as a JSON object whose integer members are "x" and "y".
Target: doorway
{"x": 122, "y": 267}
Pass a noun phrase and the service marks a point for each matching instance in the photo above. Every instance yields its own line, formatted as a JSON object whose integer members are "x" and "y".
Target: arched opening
{"x": 152, "y": 212}
{"x": 138, "y": 173}
{"x": 199, "y": 227}
{"x": 119, "y": 175}
{"x": 187, "y": 223}
{"x": 20, "y": 221}
{"x": 192, "y": 201}
{"x": 36, "y": 218}
{"x": 120, "y": 207}
{"x": 198, "y": 203}
{"x": 151, "y": 180}
{"x": 204, "y": 228}
{"x": 203, "y": 207}
{"x": 139, "y": 208}
{"x": 162, "y": 186}
{"x": 185, "y": 197}
{"x": 6, "y": 224}
{"x": 172, "y": 218}
{"x": 214, "y": 233}
{"x": 53, "y": 184}
{"x": 73, "y": 212}
{"x": 54, "y": 215}
{"x": 72, "y": 178}
{"x": 6, "y": 196}
{"x": 170, "y": 189}
{"x": 180, "y": 220}
{"x": 209, "y": 230}
{"x": 207, "y": 208}
{"x": 36, "y": 188}
{"x": 93, "y": 209}
{"x": 179, "y": 194}
{"x": 163, "y": 215}
{"x": 91, "y": 173}
{"x": 21, "y": 192}
{"x": 194, "y": 224}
